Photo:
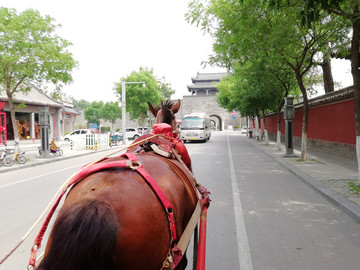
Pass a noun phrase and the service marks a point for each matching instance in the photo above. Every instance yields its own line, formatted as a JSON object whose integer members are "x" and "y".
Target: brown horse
{"x": 112, "y": 218}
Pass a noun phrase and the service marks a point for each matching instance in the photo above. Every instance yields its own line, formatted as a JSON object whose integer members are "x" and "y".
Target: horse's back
{"x": 143, "y": 238}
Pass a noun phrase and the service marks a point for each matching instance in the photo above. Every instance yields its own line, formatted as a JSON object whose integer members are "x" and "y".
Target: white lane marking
{"x": 245, "y": 260}
{"x": 38, "y": 176}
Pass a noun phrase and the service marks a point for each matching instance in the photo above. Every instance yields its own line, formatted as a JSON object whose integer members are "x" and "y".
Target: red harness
{"x": 131, "y": 162}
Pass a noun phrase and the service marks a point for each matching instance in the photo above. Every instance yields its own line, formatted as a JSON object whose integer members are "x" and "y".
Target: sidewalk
{"x": 325, "y": 173}
{"x": 31, "y": 150}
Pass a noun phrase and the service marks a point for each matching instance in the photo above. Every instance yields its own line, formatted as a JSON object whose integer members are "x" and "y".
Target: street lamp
{"x": 123, "y": 107}
{"x": 289, "y": 115}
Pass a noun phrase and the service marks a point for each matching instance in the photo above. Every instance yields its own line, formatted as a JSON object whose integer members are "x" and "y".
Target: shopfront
{"x": 28, "y": 125}
{"x": 27, "y": 115}
{"x": 3, "y": 131}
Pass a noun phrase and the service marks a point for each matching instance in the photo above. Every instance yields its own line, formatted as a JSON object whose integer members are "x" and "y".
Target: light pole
{"x": 123, "y": 107}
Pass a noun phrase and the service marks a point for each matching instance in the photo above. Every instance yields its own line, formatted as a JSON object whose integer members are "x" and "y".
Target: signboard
{"x": 93, "y": 125}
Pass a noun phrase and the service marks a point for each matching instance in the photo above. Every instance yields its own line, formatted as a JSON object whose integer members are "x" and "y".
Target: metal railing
{"x": 90, "y": 142}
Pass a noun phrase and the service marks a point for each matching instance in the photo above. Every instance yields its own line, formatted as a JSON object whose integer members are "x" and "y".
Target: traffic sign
{"x": 233, "y": 116}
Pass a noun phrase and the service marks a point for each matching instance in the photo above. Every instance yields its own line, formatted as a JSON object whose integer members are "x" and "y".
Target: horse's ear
{"x": 175, "y": 108}
{"x": 152, "y": 109}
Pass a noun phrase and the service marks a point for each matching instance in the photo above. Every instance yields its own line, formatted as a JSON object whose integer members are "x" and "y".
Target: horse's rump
{"x": 89, "y": 226}
{"x": 143, "y": 237}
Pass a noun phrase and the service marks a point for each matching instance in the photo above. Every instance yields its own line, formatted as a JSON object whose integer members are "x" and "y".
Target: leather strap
{"x": 159, "y": 193}
{"x": 188, "y": 232}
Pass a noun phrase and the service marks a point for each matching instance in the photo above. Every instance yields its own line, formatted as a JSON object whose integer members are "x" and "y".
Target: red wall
{"x": 331, "y": 122}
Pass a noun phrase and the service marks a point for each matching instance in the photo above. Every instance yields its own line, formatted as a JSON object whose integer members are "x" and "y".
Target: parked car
{"x": 131, "y": 133}
{"x": 144, "y": 130}
{"x": 68, "y": 137}
{"x": 244, "y": 130}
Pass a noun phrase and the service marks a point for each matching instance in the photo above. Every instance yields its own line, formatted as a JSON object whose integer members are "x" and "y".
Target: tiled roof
{"x": 202, "y": 86}
{"x": 210, "y": 77}
{"x": 33, "y": 97}
{"x": 69, "y": 110}
{"x": 332, "y": 97}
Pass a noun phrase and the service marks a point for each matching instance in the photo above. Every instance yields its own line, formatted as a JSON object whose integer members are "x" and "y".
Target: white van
{"x": 195, "y": 127}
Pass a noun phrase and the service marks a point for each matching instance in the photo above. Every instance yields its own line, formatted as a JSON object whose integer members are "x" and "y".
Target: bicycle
{"x": 56, "y": 153}
{"x": 4, "y": 159}
{"x": 19, "y": 156}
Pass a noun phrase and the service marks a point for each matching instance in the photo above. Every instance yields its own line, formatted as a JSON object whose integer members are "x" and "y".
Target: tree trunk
{"x": 257, "y": 124}
{"x": 253, "y": 128}
{"x": 303, "y": 154}
{"x": 247, "y": 126}
{"x": 327, "y": 73}
{"x": 266, "y": 135}
{"x": 356, "y": 79}
{"x": 278, "y": 123}
{"x": 142, "y": 120}
{"x": 12, "y": 114}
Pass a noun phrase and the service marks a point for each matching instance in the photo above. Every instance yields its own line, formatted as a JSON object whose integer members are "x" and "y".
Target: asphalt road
{"x": 260, "y": 217}
{"x": 263, "y": 217}
{"x": 24, "y": 195}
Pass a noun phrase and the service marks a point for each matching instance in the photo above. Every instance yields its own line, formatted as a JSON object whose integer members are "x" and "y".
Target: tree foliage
{"x": 348, "y": 11}
{"x": 165, "y": 88}
{"x": 31, "y": 53}
{"x": 249, "y": 30}
{"x": 110, "y": 112}
{"x": 93, "y": 113}
{"x": 80, "y": 104}
{"x": 138, "y": 94}
{"x": 96, "y": 111}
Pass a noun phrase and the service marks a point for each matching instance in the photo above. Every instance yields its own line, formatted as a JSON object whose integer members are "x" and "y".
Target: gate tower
{"x": 203, "y": 99}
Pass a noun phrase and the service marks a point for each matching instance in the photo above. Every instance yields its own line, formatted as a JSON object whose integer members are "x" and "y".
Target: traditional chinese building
{"x": 203, "y": 99}
{"x": 28, "y": 106}
{"x": 204, "y": 84}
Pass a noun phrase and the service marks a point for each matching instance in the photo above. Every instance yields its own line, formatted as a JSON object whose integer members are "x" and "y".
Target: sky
{"x": 112, "y": 38}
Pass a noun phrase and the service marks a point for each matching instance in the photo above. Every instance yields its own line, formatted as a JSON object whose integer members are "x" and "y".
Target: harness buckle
{"x": 133, "y": 164}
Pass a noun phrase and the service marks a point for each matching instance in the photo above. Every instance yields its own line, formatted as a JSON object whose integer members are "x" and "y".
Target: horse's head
{"x": 166, "y": 113}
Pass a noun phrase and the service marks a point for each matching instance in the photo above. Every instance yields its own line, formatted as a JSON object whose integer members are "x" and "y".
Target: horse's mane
{"x": 167, "y": 114}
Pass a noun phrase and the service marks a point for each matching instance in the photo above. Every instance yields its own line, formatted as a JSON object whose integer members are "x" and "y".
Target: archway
{"x": 216, "y": 122}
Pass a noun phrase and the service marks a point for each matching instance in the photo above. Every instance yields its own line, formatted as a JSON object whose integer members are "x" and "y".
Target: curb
{"x": 50, "y": 160}
{"x": 345, "y": 205}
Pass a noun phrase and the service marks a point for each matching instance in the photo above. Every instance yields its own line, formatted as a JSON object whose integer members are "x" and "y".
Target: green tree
{"x": 349, "y": 11}
{"x": 93, "y": 113}
{"x": 110, "y": 112}
{"x": 81, "y": 104}
{"x": 31, "y": 52}
{"x": 165, "y": 88}
{"x": 277, "y": 32}
{"x": 227, "y": 96}
{"x": 137, "y": 95}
